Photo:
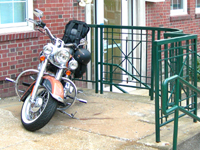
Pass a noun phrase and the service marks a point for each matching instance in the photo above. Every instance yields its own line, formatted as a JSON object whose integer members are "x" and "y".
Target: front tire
{"x": 34, "y": 117}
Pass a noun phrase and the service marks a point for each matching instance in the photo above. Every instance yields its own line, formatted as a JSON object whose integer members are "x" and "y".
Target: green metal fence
{"x": 175, "y": 56}
{"x": 122, "y": 56}
{"x": 177, "y": 106}
{"x": 143, "y": 57}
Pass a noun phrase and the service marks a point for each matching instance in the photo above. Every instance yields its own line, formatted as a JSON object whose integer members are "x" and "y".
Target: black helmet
{"x": 82, "y": 55}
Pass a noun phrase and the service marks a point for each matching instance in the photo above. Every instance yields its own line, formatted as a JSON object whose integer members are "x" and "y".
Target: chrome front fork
{"x": 39, "y": 78}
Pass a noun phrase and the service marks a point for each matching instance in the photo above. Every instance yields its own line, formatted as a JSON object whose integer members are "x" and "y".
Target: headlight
{"x": 62, "y": 56}
{"x": 47, "y": 49}
{"x": 73, "y": 64}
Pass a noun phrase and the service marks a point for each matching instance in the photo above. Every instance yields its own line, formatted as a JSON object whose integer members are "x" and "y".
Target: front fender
{"x": 52, "y": 85}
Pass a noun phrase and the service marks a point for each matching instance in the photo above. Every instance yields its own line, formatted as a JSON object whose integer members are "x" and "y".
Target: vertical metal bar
{"x": 96, "y": 60}
{"x": 180, "y": 63}
{"x": 172, "y": 63}
{"x": 156, "y": 73}
{"x": 152, "y": 64}
{"x": 187, "y": 71}
{"x": 176, "y": 114}
{"x": 140, "y": 58}
{"x": 101, "y": 59}
{"x": 195, "y": 76}
{"x": 112, "y": 58}
{"x": 147, "y": 58}
{"x": 166, "y": 60}
{"x": 111, "y": 76}
{"x": 175, "y": 136}
{"x": 106, "y": 67}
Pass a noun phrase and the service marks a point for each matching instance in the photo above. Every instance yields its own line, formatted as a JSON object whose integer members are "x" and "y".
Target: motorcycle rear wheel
{"x": 34, "y": 117}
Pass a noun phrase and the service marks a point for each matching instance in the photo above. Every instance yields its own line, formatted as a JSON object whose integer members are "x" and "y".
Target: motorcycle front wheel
{"x": 36, "y": 115}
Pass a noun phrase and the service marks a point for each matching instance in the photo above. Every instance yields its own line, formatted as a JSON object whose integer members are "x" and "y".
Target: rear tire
{"x": 35, "y": 117}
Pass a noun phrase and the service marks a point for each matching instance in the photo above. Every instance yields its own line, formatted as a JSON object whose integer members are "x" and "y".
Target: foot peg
{"x": 10, "y": 80}
{"x": 81, "y": 100}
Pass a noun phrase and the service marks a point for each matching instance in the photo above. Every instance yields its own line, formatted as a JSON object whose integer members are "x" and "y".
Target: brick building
{"x": 20, "y": 44}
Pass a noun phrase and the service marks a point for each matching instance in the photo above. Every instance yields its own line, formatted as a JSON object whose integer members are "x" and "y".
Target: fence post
{"x": 96, "y": 60}
{"x": 152, "y": 64}
{"x": 156, "y": 77}
{"x": 101, "y": 59}
{"x": 176, "y": 116}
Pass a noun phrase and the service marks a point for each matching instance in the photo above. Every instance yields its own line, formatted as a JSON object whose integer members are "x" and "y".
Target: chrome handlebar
{"x": 51, "y": 36}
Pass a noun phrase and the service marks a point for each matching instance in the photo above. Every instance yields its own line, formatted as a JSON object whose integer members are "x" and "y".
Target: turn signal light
{"x": 42, "y": 58}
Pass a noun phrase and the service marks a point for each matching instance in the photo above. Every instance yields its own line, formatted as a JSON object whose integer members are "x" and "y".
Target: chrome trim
{"x": 75, "y": 97}
{"x": 58, "y": 98}
{"x": 19, "y": 76}
{"x": 59, "y": 74}
{"x": 39, "y": 78}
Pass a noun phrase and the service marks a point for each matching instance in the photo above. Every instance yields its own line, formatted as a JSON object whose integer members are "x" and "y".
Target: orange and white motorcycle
{"x": 49, "y": 88}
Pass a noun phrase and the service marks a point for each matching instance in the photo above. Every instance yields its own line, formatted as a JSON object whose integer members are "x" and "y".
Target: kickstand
{"x": 70, "y": 115}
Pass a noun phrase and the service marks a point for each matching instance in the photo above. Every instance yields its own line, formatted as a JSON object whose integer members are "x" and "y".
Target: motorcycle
{"x": 51, "y": 87}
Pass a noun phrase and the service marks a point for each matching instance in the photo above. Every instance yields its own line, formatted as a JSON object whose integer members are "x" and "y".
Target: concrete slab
{"x": 108, "y": 121}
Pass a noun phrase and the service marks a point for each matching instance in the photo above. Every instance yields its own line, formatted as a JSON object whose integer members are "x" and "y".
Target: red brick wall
{"x": 20, "y": 51}
{"x": 158, "y": 15}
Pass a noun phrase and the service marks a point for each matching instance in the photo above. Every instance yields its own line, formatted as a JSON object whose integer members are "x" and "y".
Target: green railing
{"x": 174, "y": 56}
{"x": 122, "y": 56}
{"x": 142, "y": 57}
{"x": 167, "y": 110}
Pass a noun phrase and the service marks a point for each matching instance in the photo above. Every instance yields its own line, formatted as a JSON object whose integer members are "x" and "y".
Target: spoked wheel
{"x": 36, "y": 115}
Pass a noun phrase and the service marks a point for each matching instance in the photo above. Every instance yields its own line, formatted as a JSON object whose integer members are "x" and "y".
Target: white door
{"x": 113, "y": 12}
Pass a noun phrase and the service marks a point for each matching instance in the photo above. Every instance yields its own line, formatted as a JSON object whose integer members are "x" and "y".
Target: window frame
{"x": 179, "y": 11}
{"x": 197, "y": 9}
{"x": 20, "y": 27}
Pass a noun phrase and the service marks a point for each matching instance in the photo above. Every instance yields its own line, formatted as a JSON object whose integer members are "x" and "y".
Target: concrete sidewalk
{"x": 108, "y": 121}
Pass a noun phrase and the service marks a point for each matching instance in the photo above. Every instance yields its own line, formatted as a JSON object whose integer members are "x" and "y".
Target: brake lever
{"x": 41, "y": 31}
{"x": 32, "y": 21}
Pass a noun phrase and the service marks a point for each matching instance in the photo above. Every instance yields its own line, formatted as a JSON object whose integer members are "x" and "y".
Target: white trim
{"x": 180, "y": 11}
{"x": 141, "y": 13}
{"x": 16, "y": 30}
{"x": 197, "y": 10}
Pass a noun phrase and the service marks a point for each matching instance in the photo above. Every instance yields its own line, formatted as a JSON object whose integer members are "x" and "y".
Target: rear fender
{"x": 54, "y": 87}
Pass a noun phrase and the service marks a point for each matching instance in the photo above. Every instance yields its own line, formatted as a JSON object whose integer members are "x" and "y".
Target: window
{"x": 13, "y": 14}
{"x": 178, "y": 7}
{"x": 197, "y": 10}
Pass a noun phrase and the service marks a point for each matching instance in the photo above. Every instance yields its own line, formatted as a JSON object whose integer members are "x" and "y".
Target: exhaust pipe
{"x": 10, "y": 80}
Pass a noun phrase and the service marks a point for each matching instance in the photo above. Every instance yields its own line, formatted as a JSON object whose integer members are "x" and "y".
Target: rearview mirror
{"x": 38, "y": 13}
